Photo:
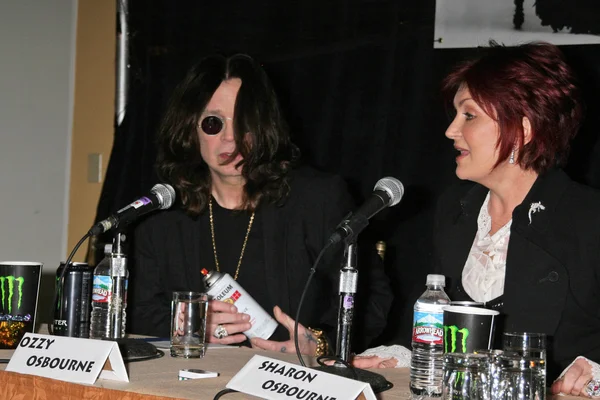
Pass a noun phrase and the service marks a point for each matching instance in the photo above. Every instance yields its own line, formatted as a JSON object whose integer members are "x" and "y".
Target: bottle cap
{"x": 108, "y": 248}
{"x": 438, "y": 280}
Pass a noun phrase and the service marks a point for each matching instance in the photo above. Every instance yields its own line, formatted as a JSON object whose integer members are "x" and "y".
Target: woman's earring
{"x": 511, "y": 160}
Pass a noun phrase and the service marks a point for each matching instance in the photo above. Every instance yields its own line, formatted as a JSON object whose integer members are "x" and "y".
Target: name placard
{"x": 68, "y": 359}
{"x": 269, "y": 378}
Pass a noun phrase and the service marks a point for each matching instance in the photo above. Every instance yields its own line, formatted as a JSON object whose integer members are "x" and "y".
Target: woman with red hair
{"x": 524, "y": 238}
{"x": 521, "y": 236}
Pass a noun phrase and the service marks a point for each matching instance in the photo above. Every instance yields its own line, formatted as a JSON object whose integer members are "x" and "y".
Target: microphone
{"x": 161, "y": 196}
{"x": 387, "y": 193}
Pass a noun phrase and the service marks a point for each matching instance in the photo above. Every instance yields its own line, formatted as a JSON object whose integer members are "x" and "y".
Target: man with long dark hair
{"x": 245, "y": 209}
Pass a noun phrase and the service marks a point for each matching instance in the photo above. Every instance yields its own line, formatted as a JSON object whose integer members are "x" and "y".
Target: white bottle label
{"x": 229, "y": 291}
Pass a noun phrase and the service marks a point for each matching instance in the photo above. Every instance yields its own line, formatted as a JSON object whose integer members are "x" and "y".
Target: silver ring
{"x": 593, "y": 388}
{"x": 220, "y": 332}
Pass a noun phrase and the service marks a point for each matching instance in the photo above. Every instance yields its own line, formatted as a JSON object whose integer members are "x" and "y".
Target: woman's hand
{"x": 306, "y": 340}
{"x": 365, "y": 362}
{"x": 574, "y": 380}
{"x": 226, "y": 315}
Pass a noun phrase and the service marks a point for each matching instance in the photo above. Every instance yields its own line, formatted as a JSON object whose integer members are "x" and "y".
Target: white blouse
{"x": 483, "y": 274}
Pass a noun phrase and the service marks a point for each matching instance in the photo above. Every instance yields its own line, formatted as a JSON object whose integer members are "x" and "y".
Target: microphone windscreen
{"x": 165, "y": 194}
{"x": 393, "y": 187}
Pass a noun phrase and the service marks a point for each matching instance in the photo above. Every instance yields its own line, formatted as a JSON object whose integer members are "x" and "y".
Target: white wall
{"x": 37, "y": 53}
{"x": 472, "y": 23}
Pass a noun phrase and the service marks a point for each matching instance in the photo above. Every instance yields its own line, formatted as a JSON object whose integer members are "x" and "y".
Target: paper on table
{"x": 185, "y": 374}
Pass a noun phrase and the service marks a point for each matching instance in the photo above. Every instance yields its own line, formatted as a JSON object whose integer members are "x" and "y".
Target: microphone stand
{"x": 118, "y": 273}
{"x": 131, "y": 349}
{"x": 347, "y": 290}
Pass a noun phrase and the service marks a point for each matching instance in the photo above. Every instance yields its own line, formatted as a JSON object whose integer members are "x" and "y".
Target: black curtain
{"x": 359, "y": 81}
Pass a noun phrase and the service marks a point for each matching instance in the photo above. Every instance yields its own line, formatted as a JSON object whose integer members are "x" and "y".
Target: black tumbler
{"x": 467, "y": 329}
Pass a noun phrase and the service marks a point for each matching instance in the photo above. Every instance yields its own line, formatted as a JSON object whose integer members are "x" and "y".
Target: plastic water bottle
{"x": 101, "y": 295}
{"x": 427, "y": 359}
{"x": 109, "y": 293}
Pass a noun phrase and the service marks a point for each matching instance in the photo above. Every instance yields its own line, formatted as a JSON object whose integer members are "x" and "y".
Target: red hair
{"x": 532, "y": 80}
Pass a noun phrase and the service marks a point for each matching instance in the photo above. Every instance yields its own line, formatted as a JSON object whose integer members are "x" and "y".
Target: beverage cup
{"x": 19, "y": 292}
{"x": 467, "y": 329}
{"x": 188, "y": 324}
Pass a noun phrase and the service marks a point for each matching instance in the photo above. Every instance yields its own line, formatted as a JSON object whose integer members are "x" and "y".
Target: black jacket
{"x": 166, "y": 260}
{"x": 552, "y": 282}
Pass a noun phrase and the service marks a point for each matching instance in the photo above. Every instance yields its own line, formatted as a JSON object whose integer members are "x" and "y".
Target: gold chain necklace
{"x": 212, "y": 233}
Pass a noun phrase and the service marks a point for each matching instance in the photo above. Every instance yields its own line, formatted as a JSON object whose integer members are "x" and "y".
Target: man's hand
{"x": 180, "y": 319}
{"x": 306, "y": 340}
{"x": 227, "y": 315}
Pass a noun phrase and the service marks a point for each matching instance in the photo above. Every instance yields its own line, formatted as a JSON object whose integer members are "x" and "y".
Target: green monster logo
{"x": 11, "y": 290}
{"x": 452, "y": 338}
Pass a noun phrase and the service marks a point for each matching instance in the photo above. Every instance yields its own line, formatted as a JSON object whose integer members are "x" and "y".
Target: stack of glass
{"x": 518, "y": 372}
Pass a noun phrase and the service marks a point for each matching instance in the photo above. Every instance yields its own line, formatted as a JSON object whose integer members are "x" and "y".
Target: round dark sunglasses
{"x": 212, "y": 125}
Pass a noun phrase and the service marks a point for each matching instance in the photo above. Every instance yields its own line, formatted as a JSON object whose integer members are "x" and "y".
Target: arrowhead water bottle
{"x": 427, "y": 359}
{"x": 109, "y": 293}
{"x": 101, "y": 294}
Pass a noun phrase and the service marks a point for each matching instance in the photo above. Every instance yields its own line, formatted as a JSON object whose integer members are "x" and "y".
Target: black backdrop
{"x": 359, "y": 80}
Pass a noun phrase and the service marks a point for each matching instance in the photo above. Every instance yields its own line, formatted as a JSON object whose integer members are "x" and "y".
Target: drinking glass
{"x": 521, "y": 378}
{"x": 493, "y": 369}
{"x": 188, "y": 324}
{"x": 466, "y": 377}
{"x": 527, "y": 344}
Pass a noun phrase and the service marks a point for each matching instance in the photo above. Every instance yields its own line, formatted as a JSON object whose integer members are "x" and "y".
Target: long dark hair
{"x": 260, "y": 131}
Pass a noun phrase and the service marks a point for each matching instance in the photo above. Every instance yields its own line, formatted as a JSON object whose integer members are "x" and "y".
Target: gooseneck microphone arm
{"x": 162, "y": 196}
{"x": 388, "y": 192}
{"x": 60, "y": 283}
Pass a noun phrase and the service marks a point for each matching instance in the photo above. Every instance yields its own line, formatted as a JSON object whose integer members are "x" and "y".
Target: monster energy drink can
{"x": 72, "y": 314}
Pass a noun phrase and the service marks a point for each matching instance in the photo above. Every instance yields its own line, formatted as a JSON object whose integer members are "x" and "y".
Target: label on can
{"x": 428, "y": 327}
{"x": 102, "y": 289}
{"x": 229, "y": 291}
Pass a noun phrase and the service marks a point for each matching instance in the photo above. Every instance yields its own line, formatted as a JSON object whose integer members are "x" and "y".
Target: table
{"x": 157, "y": 380}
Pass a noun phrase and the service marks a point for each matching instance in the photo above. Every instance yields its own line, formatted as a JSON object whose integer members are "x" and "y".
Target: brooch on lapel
{"x": 533, "y": 208}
